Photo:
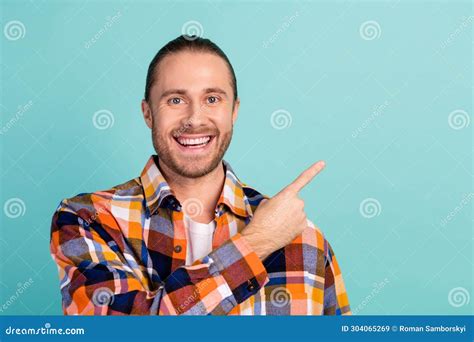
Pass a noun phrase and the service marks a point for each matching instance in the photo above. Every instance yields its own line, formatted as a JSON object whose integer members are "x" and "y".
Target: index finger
{"x": 305, "y": 177}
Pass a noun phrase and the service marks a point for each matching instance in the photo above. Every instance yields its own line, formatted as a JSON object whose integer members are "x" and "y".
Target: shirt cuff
{"x": 240, "y": 266}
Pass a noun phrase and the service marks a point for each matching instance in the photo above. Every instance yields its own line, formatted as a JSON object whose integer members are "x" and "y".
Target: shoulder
{"x": 88, "y": 206}
{"x": 315, "y": 236}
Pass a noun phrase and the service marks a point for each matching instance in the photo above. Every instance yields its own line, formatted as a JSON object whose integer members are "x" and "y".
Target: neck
{"x": 205, "y": 189}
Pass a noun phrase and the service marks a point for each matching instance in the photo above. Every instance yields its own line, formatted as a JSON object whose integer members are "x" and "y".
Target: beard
{"x": 191, "y": 166}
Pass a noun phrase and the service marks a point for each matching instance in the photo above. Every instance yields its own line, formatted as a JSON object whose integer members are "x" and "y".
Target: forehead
{"x": 193, "y": 71}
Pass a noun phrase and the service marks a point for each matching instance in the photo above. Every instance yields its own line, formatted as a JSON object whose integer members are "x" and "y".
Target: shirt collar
{"x": 156, "y": 189}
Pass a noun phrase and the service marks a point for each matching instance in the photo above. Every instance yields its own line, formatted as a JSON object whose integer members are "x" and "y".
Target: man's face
{"x": 191, "y": 112}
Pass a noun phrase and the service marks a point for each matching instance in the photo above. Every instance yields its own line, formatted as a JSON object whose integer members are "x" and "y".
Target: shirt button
{"x": 177, "y": 248}
{"x": 250, "y": 287}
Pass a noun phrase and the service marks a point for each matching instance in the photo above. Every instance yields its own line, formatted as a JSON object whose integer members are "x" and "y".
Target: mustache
{"x": 177, "y": 132}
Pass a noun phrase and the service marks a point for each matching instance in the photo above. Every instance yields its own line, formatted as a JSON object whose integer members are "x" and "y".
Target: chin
{"x": 195, "y": 169}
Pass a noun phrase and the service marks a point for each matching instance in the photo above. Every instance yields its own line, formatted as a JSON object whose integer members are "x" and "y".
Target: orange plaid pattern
{"x": 122, "y": 252}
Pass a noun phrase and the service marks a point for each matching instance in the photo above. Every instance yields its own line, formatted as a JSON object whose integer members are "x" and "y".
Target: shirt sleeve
{"x": 336, "y": 301}
{"x": 97, "y": 279}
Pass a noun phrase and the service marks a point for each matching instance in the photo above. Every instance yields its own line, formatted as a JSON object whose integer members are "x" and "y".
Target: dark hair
{"x": 186, "y": 43}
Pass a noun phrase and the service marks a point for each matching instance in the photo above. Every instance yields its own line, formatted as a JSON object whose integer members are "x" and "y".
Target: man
{"x": 187, "y": 236}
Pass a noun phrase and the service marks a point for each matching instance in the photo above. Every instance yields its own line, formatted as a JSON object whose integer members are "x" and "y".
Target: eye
{"x": 212, "y": 99}
{"x": 175, "y": 100}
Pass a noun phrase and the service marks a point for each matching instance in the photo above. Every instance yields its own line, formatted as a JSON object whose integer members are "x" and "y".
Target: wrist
{"x": 259, "y": 246}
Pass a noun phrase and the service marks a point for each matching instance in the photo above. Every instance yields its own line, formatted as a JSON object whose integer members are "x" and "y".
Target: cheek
{"x": 223, "y": 119}
{"x": 224, "y": 124}
{"x": 225, "y": 127}
{"x": 163, "y": 123}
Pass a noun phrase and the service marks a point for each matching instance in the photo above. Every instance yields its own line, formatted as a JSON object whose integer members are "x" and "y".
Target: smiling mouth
{"x": 194, "y": 143}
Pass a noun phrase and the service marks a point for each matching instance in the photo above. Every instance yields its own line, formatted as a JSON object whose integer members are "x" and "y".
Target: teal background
{"x": 375, "y": 109}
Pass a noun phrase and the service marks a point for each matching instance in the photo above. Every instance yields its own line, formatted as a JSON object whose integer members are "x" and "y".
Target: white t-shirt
{"x": 199, "y": 239}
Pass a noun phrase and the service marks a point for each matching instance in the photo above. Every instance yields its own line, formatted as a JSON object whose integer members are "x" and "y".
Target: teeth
{"x": 196, "y": 141}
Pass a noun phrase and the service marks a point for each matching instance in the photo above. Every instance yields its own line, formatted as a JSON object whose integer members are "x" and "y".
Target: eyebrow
{"x": 215, "y": 90}
{"x": 172, "y": 91}
{"x": 184, "y": 92}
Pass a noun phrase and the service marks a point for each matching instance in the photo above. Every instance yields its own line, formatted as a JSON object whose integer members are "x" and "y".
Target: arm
{"x": 336, "y": 301}
{"x": 97, "y": 279}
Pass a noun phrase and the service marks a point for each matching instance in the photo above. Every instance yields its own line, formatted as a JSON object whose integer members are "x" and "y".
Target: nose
{"x": 197, "y": 115}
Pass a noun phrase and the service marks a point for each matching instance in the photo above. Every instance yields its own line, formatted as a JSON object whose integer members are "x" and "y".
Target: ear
{"x": 147, "y": 113}
{"x": 235, "y": 111}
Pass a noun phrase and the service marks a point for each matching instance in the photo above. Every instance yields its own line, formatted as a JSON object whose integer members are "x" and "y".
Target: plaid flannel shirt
{"x": 122, "y": 252}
